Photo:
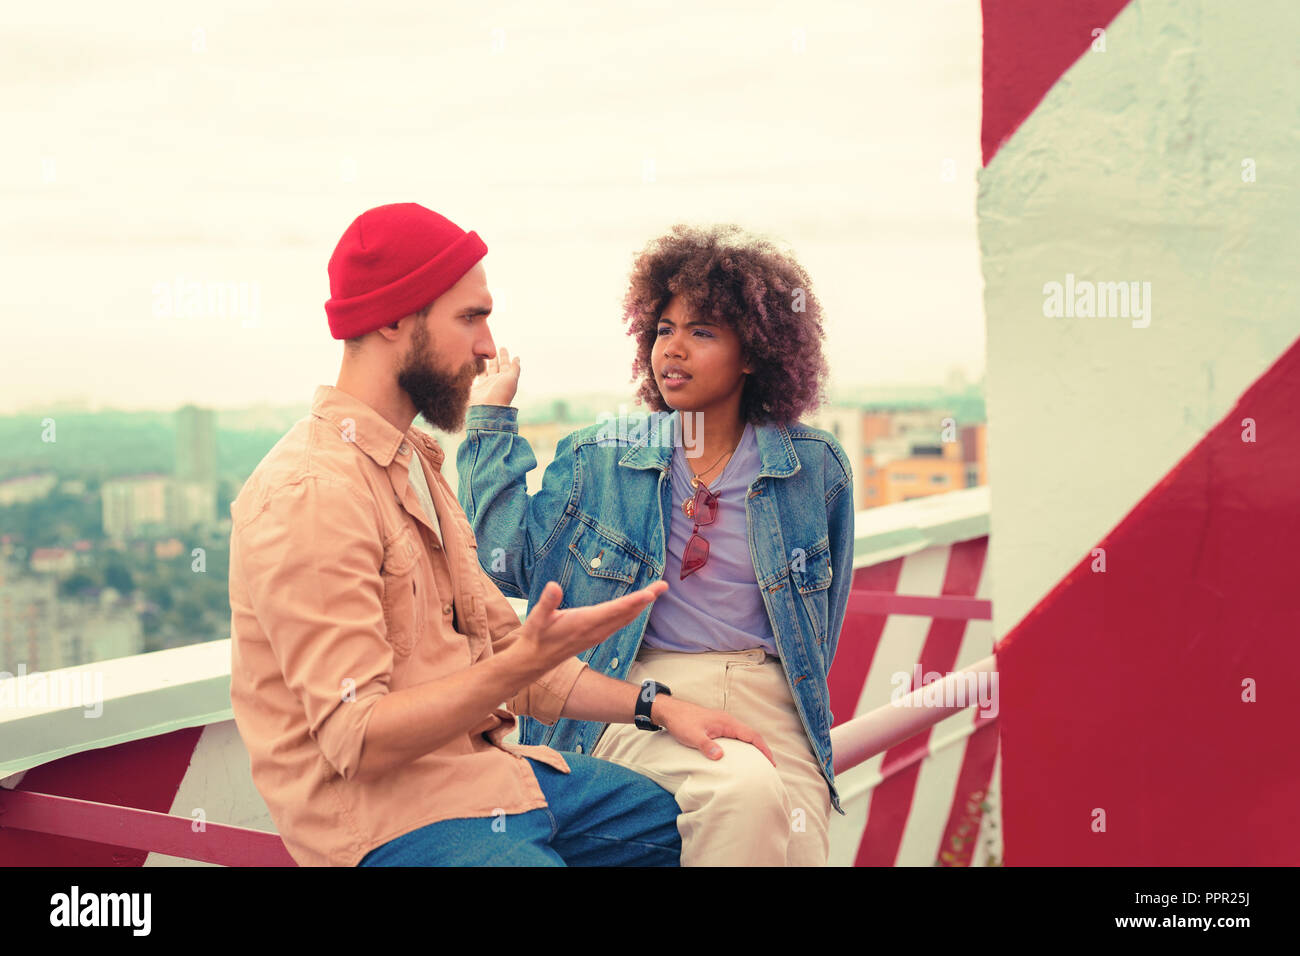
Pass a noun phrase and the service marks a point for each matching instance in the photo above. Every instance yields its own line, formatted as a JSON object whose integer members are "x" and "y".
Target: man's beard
{"x": 442, "y": 399}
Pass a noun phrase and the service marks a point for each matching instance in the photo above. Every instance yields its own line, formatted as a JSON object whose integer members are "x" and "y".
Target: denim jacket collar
{"x": 654, "y": 449}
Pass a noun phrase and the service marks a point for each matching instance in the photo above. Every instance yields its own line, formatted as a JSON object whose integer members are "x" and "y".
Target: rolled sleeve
{"x": 544, "y": 698}
{"x": 310, "y": 561}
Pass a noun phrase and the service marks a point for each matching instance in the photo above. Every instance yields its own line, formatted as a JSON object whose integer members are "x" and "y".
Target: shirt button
{"x": 578, "y": 749}
{"x": 404, "y": 448}
{"x": 594, "y": 563}
{"x": 613, "y": 664}
{"x": 446, "y": 609}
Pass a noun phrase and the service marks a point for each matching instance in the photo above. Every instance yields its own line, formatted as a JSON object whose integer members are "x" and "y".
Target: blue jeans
{"x": 598, "y": 814}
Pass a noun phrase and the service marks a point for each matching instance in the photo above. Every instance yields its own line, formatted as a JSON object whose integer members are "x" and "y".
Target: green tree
{"x": 74, "y": 584}
{"x": 190, "y": 613}
{"x": 160, "y": 594}
{"x": 119, "y": 576}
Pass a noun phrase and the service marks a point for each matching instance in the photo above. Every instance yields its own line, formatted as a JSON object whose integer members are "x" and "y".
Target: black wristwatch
{"x": 645, "y": 700}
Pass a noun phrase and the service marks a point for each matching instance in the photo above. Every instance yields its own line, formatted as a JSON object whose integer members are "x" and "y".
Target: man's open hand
{"x": 551, "y": 635}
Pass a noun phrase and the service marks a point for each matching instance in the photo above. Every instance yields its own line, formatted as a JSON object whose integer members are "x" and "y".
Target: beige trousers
{"x": 738, "y": 810}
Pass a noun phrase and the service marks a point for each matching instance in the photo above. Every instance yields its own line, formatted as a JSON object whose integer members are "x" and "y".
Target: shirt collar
{"x": 371, "y": 432}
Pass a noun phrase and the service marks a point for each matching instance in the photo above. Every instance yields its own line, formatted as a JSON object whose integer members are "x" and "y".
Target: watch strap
{"x": 645, "y": 701}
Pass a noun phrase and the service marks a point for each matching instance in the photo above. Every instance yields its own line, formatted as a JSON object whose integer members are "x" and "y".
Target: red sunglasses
{"x": 705, "y": 511}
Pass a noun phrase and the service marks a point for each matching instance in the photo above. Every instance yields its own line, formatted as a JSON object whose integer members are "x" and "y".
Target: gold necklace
{"x": 688, "y": 506}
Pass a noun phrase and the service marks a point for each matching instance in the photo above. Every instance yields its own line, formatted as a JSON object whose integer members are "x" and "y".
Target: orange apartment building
{"x": 901, "y": 454}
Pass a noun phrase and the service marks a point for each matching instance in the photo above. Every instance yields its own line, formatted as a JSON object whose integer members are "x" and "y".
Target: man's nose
{"x": 484, "y": 347}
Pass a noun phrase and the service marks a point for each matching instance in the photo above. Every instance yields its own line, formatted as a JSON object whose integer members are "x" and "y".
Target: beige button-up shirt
{"x": 341, "y": 590}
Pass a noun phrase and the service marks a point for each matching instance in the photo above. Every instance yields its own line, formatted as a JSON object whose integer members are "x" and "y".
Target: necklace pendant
{"x": 688, "y": 506}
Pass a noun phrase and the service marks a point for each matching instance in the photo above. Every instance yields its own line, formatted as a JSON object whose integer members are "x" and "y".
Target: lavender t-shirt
{"x": 719, "y": 607}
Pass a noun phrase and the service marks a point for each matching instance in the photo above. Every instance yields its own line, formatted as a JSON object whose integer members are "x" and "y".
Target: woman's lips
{"x": 674, "y": 383}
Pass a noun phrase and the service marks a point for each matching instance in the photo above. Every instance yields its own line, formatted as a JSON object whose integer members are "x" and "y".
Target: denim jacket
{"x": 599, "y": 524}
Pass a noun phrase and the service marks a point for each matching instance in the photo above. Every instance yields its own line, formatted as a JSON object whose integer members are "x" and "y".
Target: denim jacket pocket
{"x": 402, "y": 601}
{"x": 608, "y": 569}
{"x": 812, "y": 579}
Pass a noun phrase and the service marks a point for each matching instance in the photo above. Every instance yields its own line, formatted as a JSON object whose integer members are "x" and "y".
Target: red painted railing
{"x": 852, "y": 742}
{"x": 141, "y": 830}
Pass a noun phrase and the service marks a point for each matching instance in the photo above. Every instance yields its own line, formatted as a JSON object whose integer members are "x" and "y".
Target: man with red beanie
{"x": 376, "y": 670}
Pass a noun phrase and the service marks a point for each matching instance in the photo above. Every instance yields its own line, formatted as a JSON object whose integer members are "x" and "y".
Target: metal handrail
{"x": 858, "y": 740}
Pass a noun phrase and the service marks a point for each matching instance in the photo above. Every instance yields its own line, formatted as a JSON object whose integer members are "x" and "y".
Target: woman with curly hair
{"x": 747, "y": 514}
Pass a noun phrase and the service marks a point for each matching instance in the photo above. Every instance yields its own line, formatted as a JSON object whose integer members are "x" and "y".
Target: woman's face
{"x": 697, "y": 363}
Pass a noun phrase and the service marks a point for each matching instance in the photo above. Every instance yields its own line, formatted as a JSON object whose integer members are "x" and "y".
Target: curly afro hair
{"x": 745, "y": 282}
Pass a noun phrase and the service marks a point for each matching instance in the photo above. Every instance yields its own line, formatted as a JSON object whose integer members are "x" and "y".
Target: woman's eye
{"x": 663, "y": 330}
{"x": 704, "y": 333}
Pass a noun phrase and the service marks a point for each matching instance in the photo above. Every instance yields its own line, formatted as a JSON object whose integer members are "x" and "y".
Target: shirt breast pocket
{"x": 403, "y": 601}
{"x": 599, "y": 567}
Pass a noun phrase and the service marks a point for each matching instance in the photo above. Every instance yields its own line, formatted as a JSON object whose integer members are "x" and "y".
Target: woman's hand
{"x": 498, "y": 383}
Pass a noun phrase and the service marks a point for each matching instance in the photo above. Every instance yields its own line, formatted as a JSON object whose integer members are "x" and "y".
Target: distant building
{"x": 904, "y": 453}
{"x": 42, "y": 634}
{"x": 168, "y": 549}
{"x": 27, "y": 608}
{"x": 190, "y": 503}
{"x": 53, "y": 560}
{"x": 196, "y": 445}
{"x": 134, "y": 506}
{"x": 27, "y": 487}
{"x": 154, "y": 505}
{"x": 974, "y": 444}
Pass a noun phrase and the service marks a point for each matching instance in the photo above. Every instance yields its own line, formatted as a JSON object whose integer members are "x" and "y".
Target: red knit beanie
{"x": 394, "y": 260}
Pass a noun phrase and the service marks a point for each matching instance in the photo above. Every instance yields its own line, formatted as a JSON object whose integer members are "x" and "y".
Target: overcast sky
{"x": 151, "y": 143}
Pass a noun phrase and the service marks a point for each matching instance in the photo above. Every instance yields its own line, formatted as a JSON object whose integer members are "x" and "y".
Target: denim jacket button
{"x": 613, "y": 664}
{"x": 578, "y": 749}
{"x": 594, "y": 564}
